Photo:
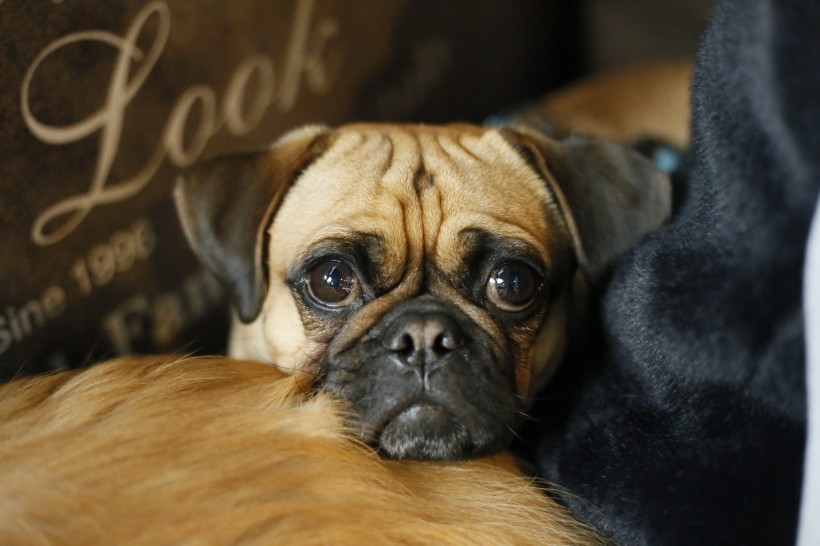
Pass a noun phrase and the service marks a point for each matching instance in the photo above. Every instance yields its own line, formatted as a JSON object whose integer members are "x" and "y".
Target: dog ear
{"x": 226, "y": 205}
{"x": 609, "y": 196}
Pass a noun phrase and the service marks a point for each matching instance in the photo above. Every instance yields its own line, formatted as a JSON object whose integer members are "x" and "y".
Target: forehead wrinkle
{"x": 475, "y": 167}
{"x": 379, "y": 147}
{"x": 405, "y": 255}
{"x": 403, "y": 163}
{"x": 457, "y": 150}
{"x": 375, "y": 148}
{"x": 452, "y": 229}
{"x": 494, "y": 148}
{"x": 400, "y": 180}
{"x": 435, "y": 158}
{"x": 392, "y": 198}
{"x": 494, "y": 222}
{"x": 344, "y": 144}
{"x": 436, "y": 162}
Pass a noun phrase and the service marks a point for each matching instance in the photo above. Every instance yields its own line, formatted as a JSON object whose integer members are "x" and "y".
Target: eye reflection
{"x": 333, "y": 283}
{"x": 512, "y": 286}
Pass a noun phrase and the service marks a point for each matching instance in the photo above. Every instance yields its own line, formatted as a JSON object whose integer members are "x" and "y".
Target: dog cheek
{"x": 284, "y": 332}
{"x": 248, "y": 342}
{"x": 523, "y": 375}
{"x": 547, "y": 349}
{"x": 352, "y": 378}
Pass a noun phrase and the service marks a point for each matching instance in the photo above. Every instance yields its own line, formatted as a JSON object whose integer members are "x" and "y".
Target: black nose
{"x": 423, "y": 339}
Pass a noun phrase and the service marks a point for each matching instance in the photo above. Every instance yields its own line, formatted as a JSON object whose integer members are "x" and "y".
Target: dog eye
{"x": 512, "y": 286}
{"x": 333, "y": 283}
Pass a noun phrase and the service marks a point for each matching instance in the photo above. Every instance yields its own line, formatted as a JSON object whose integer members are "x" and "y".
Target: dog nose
{"x": 423, "y": 339}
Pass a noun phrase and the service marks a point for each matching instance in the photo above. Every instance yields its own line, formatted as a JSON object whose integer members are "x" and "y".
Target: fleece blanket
{"x": 686, "y": 424}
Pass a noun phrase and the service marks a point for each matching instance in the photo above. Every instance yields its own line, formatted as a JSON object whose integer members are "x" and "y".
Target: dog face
{"x": 426, "y": 275}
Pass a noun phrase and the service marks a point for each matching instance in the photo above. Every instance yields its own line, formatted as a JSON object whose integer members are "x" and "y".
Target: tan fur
{"x": 157, "y": 450}
{"x": 649, "y": 100}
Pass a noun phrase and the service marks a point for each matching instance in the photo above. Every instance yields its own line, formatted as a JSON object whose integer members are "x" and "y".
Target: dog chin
{"x": 424, "y": 431}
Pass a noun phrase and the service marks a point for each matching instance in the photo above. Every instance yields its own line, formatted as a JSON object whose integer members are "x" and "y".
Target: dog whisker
{"x": 514, "y": 433}
{"x": 530, "y": 400}
{"x": 527, "y": 416}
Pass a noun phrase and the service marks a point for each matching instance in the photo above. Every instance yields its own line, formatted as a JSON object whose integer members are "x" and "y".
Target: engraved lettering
{"x": 156, "y": 322}
{"x": 17, "y": 324}
{"x": 239, "y": 112}
{"x": 108, "y": 120}
{"x": 117, "y": 255}
{"x": 5, "y": 336}
{"x": 53, "y": 301}
{"x": 127, "y": 322}
{"x": 124, "y": 249}
{"x": 30, "y": 317}
{"x": 204, "y": 96}
{"x": 316, "y": 66}
{"x": 239, "y": 122}
{"x": 169, "y": 318}
{"x": 14, "y": 323}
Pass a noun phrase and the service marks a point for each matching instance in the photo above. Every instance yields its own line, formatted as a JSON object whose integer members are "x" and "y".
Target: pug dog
{"x": 428, "y": 276}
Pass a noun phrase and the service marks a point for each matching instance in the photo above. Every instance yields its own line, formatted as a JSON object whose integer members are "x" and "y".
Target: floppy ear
{"x": 609, "y": 196}
{"x": 226, "y": 205}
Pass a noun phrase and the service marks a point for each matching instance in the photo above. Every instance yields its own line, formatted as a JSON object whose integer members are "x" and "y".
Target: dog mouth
{"x": 424, "y": 430}
{"x": 406, "y": 416}
{"x": 426, "y": 383}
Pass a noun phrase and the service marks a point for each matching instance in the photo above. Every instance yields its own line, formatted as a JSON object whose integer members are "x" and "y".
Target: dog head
{"x": 425, "y": 274}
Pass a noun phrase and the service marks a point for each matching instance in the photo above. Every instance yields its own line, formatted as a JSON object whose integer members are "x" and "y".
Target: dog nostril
{"x": 419, "y": 339}
{"x": 446, "y": 342}
{"x": 403, "y": 345}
